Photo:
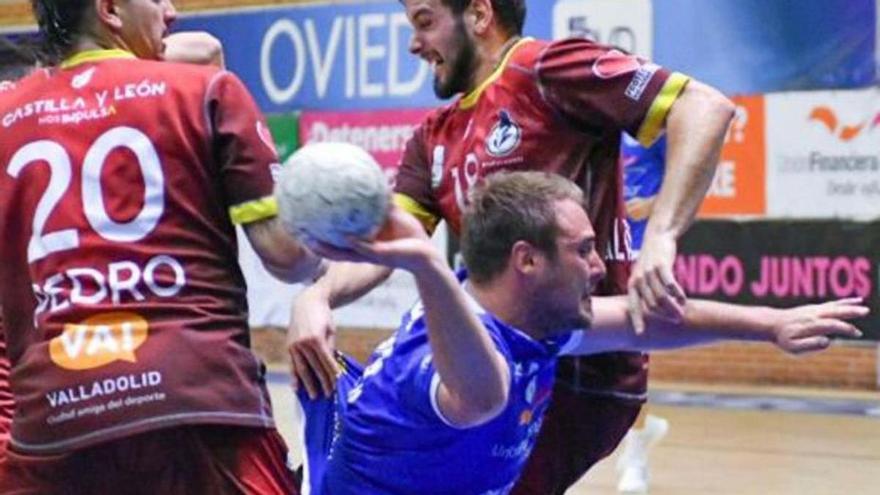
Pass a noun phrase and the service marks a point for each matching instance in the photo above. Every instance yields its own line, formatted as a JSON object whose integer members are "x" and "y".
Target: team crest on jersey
{"x": 505, "y": 136}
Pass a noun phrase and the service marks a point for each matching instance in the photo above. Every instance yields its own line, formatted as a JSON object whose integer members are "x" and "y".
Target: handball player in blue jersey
{"x": 453, "y": 401}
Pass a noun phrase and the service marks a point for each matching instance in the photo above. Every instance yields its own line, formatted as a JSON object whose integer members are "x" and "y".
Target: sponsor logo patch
{"x": 99, "y": 341}
{"x": 640, "y": 81}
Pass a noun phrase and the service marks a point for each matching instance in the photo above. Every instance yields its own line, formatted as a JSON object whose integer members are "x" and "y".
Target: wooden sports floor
{"x": 736, "y": 452}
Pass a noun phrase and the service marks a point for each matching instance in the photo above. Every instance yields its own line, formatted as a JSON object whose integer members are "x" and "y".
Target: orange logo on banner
{"x": 99, "y": 341}
{"x": 828, "y": 118}
{"x": 740, "y": 180}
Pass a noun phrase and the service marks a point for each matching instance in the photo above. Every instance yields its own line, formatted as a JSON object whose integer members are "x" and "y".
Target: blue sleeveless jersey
{"x": 643, "y": 170}
{"x": 389, "y": 437}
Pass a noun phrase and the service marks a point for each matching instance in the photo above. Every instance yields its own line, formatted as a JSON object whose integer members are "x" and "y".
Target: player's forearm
{"x": 695, "y": 128}
{"x": 283, "y": 256}
{"x": 472, "y": 371}
{"x": 704, "y": 322}
{"x": 711, "y": 321}
{"x": 346, "y": 282}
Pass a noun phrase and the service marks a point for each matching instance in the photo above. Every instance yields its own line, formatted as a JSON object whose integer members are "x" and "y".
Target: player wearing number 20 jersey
{"x": 122, "y": 294}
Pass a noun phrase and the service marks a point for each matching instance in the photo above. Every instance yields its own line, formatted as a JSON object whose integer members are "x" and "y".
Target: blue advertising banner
{"x": 340, "y": 56}
{"x": 355, "y": 56}
{"x": 759, "y": 46}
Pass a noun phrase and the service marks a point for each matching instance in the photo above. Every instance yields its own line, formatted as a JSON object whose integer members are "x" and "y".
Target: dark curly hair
{"x": 511, "y": 13}
{"x": 61, "y": 22}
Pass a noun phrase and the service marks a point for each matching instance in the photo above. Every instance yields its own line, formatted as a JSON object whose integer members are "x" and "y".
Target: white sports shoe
{"x": 633, "y": 480}
{"x": 633, "y": 461}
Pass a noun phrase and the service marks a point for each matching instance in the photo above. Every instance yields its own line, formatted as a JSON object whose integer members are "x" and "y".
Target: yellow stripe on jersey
{"x": 95, "y": 56}
{"x": 254, "y": 211}
{"x": 653, "y": 124}
{"x": 471, "y": 98}
{"x": 429, "y": 220}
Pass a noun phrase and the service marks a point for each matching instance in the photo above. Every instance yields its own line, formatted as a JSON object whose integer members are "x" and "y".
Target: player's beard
{"x": 461, "y": 67}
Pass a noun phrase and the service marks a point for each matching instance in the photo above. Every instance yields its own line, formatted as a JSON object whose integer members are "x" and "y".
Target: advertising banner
{"x": 285, "y": 131}
{"x": 383, "y": 134}
{"x": 354, "y": 55}
{"x": 269, "y": 300}
{"x": 628, "y": 24}
{"x": 331, "y": 56}
{"x": 824, "y": 154}
{"x": 731, "y": 45}
{"x": 783, "y": 263}
{"x": 739, "y": 185}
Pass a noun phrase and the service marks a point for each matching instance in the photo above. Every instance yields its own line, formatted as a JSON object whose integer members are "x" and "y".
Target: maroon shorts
{"x": 177, "y": 461}
{"x": 578, "y": 431}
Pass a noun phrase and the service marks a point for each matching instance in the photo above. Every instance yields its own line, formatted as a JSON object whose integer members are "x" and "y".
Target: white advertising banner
{"x": 627, "y": 24}
{"x": 823, "y": 154}
{"x": 270, "y": 300}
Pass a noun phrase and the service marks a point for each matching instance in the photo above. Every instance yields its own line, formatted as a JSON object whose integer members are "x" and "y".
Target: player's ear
{"x": 106, "y": 13}
{"x": 524, "y": 257}
{"x": 481, "y": 15}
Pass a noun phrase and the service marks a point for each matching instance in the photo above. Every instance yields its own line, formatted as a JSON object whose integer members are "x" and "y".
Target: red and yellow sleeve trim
{"x": 470, "y": 99}
{"x": 428, "y": 220}
{"x": 254, "y": 211}
{"x": 654, "y": 120}
{"x": 95, "y": 56}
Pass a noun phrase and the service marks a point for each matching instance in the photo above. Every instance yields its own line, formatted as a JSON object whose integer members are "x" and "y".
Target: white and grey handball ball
{"x": 328, "y": 191}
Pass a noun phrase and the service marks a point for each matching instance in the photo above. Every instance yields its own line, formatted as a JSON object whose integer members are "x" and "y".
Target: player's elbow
{"x": 723, "y": 108}
{"x": 284, "y": 257}
{"x": 715, "y": 105}
{"x": 493, "y": 402}
{"x": 705, "y": 106}
{"x": 482, "y": 406}
{"x": 194, "y": 47}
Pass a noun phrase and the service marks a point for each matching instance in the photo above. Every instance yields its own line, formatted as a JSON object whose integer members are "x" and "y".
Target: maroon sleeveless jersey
{"x": 124, "y": 305}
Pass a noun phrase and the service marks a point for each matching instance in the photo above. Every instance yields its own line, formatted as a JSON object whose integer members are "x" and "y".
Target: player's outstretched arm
{"x": 194, "y": 47}
{"x": 695, "y": 128}
{"x": 794, "y": 330}
{"x": 474, "y": 377}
